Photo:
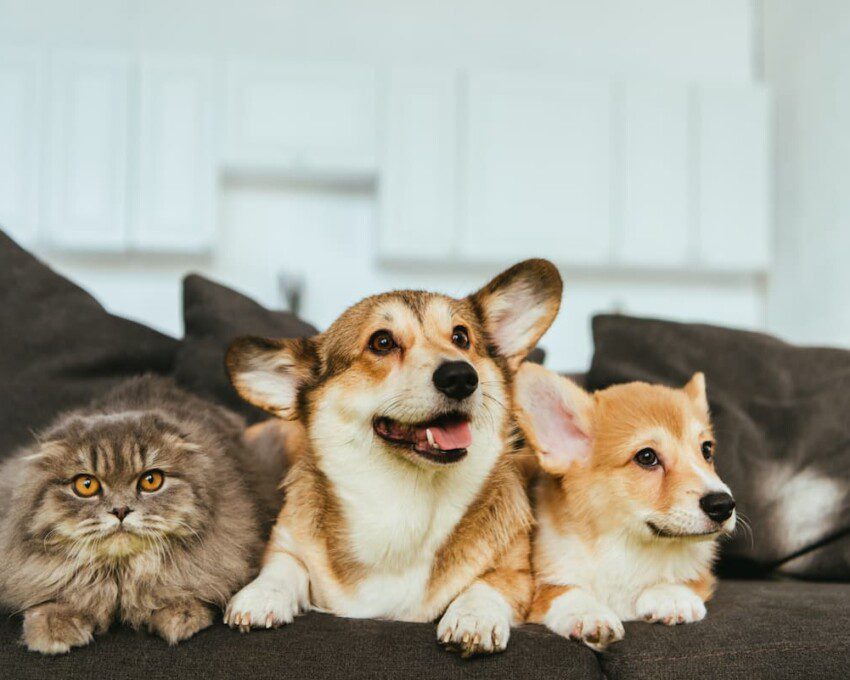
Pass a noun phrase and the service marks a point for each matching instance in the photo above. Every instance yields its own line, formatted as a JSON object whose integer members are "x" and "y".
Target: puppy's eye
{"x": 151, "y": 480}
{"x": 460, "y": 337}
{"x": 708, "y": 450}
{"x": 646, "y": 458}
{"x": 382, "y": 342}
{"x": 85, "y": 486}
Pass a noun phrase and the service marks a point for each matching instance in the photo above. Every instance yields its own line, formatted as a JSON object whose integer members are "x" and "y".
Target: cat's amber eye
{"x": 85, "y": 486}
{"x": 151, "y": 480}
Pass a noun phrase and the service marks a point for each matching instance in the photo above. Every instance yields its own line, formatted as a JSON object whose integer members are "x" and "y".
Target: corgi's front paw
{"x": 670, "y": 603}
{"x": 274, "y": 598}
{"x": 478, "y": 621}
{"x": 579, "y": 616}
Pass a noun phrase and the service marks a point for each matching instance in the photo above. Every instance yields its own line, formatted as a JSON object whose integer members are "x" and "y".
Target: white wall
{"x": 327, "y": 234}
{"x": 692, "y": 39}
{"x": 807, "y": 64}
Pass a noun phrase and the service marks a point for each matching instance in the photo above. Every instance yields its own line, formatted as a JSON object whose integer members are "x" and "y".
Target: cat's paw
{"x": 478, "y": 621}
{"x": 585, "y": 619}
{"x": 670, "y": 603}
{"x": 54, "y": 629}
{"x": 269, "y": 601}
{"x": 178, "y": 621}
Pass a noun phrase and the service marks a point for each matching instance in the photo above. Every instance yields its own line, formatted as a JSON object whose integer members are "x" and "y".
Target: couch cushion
{"x": 754, "y": 629}
{"x": 59, "y": 348}
{"x": 781, "y": 418}
{"x": 314, "y": 646}
{"x": 214, "y": 315}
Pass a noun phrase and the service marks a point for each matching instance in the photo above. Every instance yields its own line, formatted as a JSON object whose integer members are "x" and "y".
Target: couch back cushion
{"x": 782, "y": 419}
{"x": 214, "y": 315}
{"x": 59, "y": 348}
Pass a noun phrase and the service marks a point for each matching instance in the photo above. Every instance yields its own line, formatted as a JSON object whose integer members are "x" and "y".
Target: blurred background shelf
{"x": 634, "y": 148}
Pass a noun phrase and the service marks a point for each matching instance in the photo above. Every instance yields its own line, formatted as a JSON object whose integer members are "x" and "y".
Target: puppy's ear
{"x": 269, "y": 373}
{"x": 555, "y": 415}
{"x": 519, "y": 305}
{"x": 695, "y": 389}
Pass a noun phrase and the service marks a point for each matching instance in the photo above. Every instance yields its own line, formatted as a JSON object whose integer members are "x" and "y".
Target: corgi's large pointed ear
{"x": 555, "y": 415}
{"x": 518, "y": 306}
{"x": 269, "y": 373}
{"x": 695, "y": 389}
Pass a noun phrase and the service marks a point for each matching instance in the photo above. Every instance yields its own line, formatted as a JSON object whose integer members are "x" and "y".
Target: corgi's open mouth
{"x": 444, "y": 439}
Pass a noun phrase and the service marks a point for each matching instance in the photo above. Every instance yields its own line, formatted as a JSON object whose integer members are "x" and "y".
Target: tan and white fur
{"x": 628, "y": 504}
{"x": 376, "y": 528}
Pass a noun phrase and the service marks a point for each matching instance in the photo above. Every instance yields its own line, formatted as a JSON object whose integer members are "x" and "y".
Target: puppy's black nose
{"x": 121, "y": 513}
{"x": 456, "y": 379}
{"x": 718, "y": 506}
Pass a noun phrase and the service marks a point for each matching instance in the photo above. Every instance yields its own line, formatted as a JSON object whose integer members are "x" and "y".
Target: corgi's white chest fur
{"x": 397, "y": 517}
{"x": 615, "y": 568}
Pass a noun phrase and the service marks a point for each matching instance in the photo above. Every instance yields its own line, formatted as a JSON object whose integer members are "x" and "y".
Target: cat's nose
{"x": 121, "y": 513}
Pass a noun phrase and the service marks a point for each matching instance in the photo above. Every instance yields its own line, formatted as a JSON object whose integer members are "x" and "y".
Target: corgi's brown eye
{"x": 151, "y": 480}
{"x": 85, "y": 486}
{"x": 460, "y": 337}
{"x": 646, "y": 458}
{"x": 708, "y": 450}
{"x": 382, "y": 342}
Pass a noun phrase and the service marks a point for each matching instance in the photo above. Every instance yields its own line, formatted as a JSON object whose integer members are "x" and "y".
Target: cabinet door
{"x": 537, "y": 169}
{"x": 87, "y": 150}
{"x": 655, "y": 176}
{"x": 21, "y": 78}
{"x": 418, "y": 186}
{"x": 733, "y": 184}
{"x": 300, "y": 118}
{"x": 177, "y": 155}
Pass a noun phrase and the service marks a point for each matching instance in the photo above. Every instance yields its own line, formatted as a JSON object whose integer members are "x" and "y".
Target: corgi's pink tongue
{"x": 449, "y": 436}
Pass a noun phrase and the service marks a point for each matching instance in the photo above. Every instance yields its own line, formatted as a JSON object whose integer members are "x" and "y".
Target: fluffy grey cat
{"x": 145, "y": 507}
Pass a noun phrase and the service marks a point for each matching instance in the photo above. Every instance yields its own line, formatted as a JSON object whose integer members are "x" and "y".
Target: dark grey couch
{"x": 754, "y": 629}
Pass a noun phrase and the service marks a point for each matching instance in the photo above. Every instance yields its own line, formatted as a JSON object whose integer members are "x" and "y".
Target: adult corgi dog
{"x": 628, "y": 504}
{"x": 404, "y": 503}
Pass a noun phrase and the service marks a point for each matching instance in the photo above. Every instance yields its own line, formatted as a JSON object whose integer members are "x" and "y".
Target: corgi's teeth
{"x": 430, "y": 437}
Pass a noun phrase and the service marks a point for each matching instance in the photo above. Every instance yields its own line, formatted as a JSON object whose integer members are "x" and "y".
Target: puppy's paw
{"x": 670, "y": 603}
{"x": 179, "y": 621}
{"x": 579, "y": 616}
{"x": 269, "y": 601}
{"x": 478, "y": 621}
{"x": 54, "y": 629}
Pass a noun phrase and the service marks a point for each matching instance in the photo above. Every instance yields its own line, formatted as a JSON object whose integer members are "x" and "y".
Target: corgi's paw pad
{"x": 263, "y": 603}
{"x": 477, "y": 622}
{"x": 595, "y": 625}
{"x": 670, "y": 604}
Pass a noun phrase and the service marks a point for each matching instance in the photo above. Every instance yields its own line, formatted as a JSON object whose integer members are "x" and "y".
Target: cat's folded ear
{"x": 518, "y": 306}
{"x": 269, "y": 373}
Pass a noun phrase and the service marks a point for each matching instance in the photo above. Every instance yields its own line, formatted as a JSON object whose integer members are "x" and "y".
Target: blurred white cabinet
{"x": 21, "y": 107}
{"x": 655, "y": 176}
{"x": 87, "y": 149}
{"x": 174, "y": 208}
{"x": 418, "y": 178}
{"x": 300, "y": 118}
{"x": 537, "y": 170}
{"x": 733, "y": 180}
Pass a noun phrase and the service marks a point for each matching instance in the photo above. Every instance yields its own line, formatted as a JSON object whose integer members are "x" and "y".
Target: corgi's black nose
{"x": 456, "y": 379}
{"x": 718, "y": 506}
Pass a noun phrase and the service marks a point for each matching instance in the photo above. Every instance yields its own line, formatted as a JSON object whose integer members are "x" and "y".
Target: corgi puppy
{"x": 628, "y": 503}
{"x": 402, "y": 502}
